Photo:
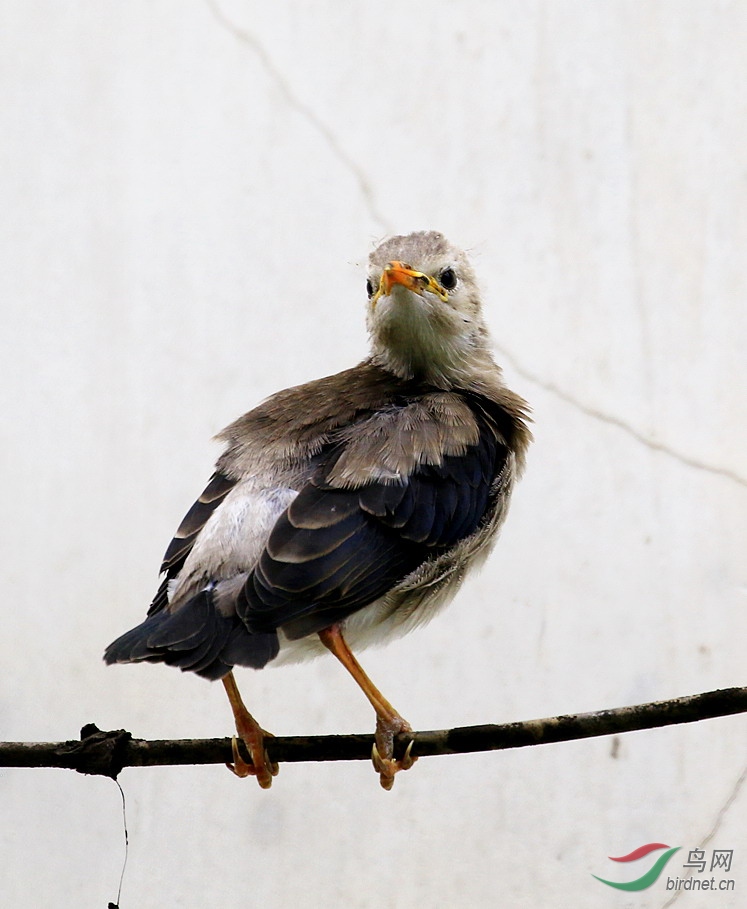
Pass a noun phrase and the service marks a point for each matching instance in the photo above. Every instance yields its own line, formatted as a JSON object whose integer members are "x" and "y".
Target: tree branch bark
{"x": 107, "y": 753}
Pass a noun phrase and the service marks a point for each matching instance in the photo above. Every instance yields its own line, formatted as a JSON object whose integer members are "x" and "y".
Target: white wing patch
{"x": 233, "y": 538}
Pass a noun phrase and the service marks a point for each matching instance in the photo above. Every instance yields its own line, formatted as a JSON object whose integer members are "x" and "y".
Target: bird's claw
{"x": 261, "y": 766}
{"x": 387, "y": 766}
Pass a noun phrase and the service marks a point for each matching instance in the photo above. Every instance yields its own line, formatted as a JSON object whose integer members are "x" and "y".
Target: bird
{"x": 346, "y": 511}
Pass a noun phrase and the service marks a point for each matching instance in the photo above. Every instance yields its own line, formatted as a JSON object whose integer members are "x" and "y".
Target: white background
{"x": 188, "y": 193}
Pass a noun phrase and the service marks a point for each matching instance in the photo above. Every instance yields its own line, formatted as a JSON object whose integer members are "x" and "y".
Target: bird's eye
{"x": 448, "y": 279}
{"x": 369, "y": 288}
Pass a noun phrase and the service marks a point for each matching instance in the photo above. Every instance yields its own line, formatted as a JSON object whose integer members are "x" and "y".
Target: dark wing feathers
{"x": 316, "y": 510}
{"x": 194, "y": 520}
{"x": 161, "y": 599}
{"x": 382, "y": 499}
{"x": 305, "y": 598}
{"x": 333, "y": 551}
{"x": 197, "y": 637}
{"x": 336, "y": 550}
{"x": 418, "y": 526}
{"x": 290, "y": 543}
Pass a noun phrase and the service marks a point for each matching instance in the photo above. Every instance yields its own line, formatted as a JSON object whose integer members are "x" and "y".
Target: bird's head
{"x": 424, "y": 314}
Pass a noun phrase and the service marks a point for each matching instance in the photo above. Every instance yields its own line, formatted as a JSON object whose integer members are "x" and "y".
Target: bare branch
{"x": 106, "y": 753}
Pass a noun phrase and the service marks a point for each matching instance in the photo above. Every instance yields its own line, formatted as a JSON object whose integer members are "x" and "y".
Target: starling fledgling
{"x": 347, "y": 511}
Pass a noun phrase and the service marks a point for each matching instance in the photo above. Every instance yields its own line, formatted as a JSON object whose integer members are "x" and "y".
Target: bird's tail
{"x": 196, "y": 637}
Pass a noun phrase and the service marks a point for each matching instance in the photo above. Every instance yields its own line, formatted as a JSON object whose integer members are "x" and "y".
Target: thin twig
{"x": 106, "y": 753}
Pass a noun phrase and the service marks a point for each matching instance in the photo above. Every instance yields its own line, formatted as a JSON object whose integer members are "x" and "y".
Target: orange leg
{"x": 253, "y": 736}
{"x": 388, "y": 722}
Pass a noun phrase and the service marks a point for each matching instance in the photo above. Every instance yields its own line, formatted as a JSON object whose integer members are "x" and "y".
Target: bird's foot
{"x": 252, "y": 735}
{"x": 261, "y": 766}
{"x": 382, "y": 753}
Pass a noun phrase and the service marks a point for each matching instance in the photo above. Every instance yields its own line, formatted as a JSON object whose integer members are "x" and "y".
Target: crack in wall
{"x": 610, "y": 420}
{"x": 306, "y": 112}
{"x": 715, "y": 827}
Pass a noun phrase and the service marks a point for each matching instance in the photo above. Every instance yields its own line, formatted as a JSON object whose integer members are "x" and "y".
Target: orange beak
{"x": 416, "y": 281}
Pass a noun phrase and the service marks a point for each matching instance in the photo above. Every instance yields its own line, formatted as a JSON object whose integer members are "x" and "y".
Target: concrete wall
{"x": 189, "y": 193}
